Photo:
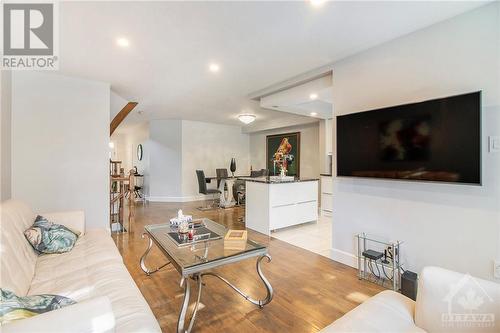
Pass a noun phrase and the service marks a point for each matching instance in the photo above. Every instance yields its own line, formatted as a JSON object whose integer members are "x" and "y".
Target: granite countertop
{"x": 269, "y": 180}
{"x": 326, "y": 174}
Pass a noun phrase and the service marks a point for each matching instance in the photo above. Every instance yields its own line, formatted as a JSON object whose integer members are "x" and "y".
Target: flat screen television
{"x": 436, "y": 140}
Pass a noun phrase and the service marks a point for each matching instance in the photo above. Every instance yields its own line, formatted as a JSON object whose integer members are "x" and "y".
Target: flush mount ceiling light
{"x": 246, "y": 118}
{"x": 213, "y": 67}
{"x": 313, "y": 114}
{"x": 122, "y": 42}
{"x": 317, "y": 3}
{"x": 313, "y": 96}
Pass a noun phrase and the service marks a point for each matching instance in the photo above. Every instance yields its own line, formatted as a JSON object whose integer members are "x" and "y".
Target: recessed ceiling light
{"x": 246, "y": 118}
{"x": 313, "y": 114}
{"x": 313, "y": 96}
{"x": 214, "y": 68}
{"x": 317, "y": 3}
{"x": 122, "y": 42}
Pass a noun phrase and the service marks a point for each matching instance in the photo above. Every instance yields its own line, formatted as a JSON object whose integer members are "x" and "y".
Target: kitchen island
{"x": 272, "y": 203}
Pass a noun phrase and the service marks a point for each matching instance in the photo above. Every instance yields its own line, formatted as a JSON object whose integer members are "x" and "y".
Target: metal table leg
{"x": 269, "y": 288}
{"x": 144, "y": 268}
{"x": 185, "y": 304}
{"x": 185, "y": 282}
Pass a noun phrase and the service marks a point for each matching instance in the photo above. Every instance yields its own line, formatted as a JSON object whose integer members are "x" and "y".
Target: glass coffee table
{"x": 194, "y": 261}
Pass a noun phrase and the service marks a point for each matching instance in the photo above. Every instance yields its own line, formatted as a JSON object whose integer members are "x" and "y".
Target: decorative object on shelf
{"x": 139, "y": 152}
{"x": 235, "y": 239}
{"x": 379, "y": 261}
{"x": 283, "y": 154}
{"x": 232, "y": 166}
{"x": 246, "y": 118}
{"x": 181, "y": 218}
{"x": 282, "y": 173}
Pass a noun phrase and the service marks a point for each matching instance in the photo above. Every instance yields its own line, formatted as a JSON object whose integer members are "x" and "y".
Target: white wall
{"x": 126, "y": 146}
{"x": 164, "y": 151}
{"x": 453, "y": 226}
{"x": 60, "y": 135}
{"x": 208, "y": 146}
{"x": 5, "y": 135}
{"x": 309, "y": 148}
{"x": 175, "y": 149}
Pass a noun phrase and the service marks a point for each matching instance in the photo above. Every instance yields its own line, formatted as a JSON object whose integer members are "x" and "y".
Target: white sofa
{"x": 441, "y": 297}
{"x": 92, "y": 273}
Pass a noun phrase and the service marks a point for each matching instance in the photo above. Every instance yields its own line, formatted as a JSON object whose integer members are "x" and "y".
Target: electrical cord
{"x": 371, "y": 269}
{"x": 387, "y": 276}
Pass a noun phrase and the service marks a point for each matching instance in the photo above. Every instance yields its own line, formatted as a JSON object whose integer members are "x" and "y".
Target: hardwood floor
{"x": 310, "y": 291}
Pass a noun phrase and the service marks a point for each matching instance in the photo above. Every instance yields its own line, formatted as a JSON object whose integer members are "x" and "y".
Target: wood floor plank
{"x": 310, "y": 291}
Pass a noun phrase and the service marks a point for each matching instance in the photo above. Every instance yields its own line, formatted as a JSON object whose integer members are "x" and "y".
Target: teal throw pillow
{"x": 13, "y": 307}
{"x": 47, "y": 237}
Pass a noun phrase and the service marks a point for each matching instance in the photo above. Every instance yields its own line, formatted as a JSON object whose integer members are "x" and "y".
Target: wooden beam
{"x": 120, "y": 116}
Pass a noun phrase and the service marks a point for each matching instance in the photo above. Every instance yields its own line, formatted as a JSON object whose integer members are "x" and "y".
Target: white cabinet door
{"x": 307, "y": 211}
{"x": 283, "y": 216}
{"x": 284, "y": 194}
{"x": 326, "y": 184}
{"x": 326, "y": 202}
{"x": 292, "y": 204}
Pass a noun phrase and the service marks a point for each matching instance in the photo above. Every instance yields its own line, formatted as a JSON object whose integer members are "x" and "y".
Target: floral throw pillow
{"x": 47, "y": 237}
{"x": 14, "y": 307}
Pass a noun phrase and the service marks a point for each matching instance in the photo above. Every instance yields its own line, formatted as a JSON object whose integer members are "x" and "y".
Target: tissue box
{"x": 176, "y": 221}
{"x": 235, "y": 240}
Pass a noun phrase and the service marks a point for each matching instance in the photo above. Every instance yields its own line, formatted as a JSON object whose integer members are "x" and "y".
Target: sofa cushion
{"x": 18, "y": 258}
{"x": 387, "y": 311}
{"x": 94, "y": 248}
{"x": 94, "y": 268}
{"x": 15, "y": 307}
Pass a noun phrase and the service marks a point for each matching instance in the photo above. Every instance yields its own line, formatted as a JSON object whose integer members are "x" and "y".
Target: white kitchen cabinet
{"x": 326, "y": 195}
{"x": 275, "y": 205}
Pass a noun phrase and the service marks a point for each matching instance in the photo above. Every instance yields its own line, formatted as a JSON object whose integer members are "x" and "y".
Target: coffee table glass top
{"x": 188, "y": 259}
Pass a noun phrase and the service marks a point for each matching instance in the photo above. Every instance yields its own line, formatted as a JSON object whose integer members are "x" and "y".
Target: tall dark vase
{"x": 232, "y": 166}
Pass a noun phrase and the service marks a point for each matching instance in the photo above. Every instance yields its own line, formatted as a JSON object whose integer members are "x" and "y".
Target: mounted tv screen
{"x": 436, "y": 140}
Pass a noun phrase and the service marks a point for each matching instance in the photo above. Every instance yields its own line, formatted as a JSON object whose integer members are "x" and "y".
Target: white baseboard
{"x": 343, "y": 257}
{"x": 178, "y": 199}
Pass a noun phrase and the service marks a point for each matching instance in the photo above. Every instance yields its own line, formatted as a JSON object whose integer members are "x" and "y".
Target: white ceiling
{"x": 256, "y": 44}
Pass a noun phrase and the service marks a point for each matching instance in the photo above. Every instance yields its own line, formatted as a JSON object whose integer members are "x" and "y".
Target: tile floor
{"x": 314, "y": 236}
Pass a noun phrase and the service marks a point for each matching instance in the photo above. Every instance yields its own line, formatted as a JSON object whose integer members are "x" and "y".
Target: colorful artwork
{"x": 283, "y": 152}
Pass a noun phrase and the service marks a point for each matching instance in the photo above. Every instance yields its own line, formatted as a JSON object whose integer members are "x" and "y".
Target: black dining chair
{"x": 255, "y": 173}
{"x": 221, "y": 174}
{"x": 202, "y": 188}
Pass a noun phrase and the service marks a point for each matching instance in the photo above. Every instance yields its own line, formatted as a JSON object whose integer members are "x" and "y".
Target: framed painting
{"x": 283, "y": 151}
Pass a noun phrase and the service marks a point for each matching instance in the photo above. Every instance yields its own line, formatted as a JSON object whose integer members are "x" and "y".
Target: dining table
{"x": 227, "y": 199}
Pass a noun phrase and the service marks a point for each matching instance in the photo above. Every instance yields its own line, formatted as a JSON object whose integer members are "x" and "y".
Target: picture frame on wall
{"x": 283, "y": 150}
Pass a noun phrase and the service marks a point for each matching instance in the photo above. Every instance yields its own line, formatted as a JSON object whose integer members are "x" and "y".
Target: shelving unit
{"x": 389, "y": 261}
